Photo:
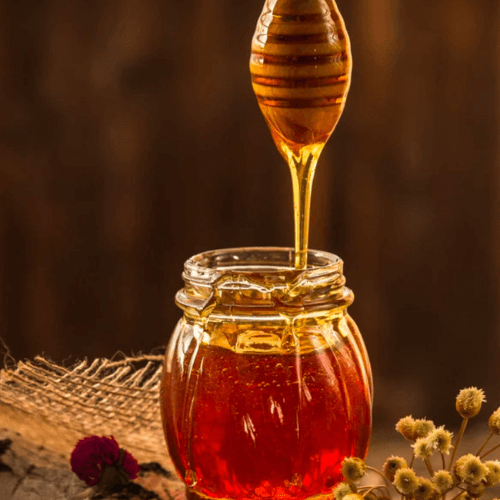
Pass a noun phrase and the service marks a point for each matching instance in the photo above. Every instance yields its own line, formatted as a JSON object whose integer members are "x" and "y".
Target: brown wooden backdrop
{"x": 130, "y": 139}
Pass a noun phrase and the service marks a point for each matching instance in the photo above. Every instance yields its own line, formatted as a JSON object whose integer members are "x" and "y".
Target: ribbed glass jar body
{"x": 266, "y": 384}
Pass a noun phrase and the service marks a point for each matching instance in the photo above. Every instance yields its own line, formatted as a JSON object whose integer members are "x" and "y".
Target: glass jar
{"x": 266, "y": 384}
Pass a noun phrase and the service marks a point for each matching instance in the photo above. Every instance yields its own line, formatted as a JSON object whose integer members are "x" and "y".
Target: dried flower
{"x": 440, "y": 440}
{"x": 469, "y": 475}
{"x": 493, "y": 474}
{"x": 475, "y": 490}
{"x": 422, "y": 448}
{"x": 425, "y": 489}
{"x": 469, "y": 402}
{"x": 406, "y": 427}
{"x": 405, "y": 481}
{"x": 392, "y": 465}
{"x": 470, "y": 469}
{"x": 353, "y": 496}
{"x": 99, "y": 459}
{"x": 494, "y": 422}
{"x": 341, "y": 490}
{"x": 443, "y": 481}
{"x": 423, "y": 428}
{"x": 353, "y": 468}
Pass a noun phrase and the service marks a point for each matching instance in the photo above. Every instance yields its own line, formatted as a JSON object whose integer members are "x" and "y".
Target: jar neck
{"x": 262, "y": 278}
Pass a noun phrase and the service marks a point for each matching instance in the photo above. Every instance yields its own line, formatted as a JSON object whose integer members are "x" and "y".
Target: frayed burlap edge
{"x": 50, "y": 407}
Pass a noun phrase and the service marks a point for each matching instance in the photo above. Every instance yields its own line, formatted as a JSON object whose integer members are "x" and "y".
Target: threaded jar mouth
{"x": 273, "y": 261}
{"x": 263, "y": 277}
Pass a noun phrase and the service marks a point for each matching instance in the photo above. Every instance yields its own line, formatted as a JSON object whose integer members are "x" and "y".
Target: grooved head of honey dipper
{"x": 301, "y": 70}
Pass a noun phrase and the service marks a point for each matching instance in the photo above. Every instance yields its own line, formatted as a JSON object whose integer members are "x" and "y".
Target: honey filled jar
{"x": 266, "y": 384}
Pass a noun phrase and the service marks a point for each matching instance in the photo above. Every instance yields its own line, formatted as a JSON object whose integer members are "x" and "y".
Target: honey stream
{"x": 301, "y": 71}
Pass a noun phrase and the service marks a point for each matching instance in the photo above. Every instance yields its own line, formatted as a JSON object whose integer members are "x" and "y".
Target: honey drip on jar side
{"x": 301, "y": 71}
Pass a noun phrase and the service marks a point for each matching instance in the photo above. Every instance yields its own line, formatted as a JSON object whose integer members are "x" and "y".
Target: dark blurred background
{"x": 130, "y": 139}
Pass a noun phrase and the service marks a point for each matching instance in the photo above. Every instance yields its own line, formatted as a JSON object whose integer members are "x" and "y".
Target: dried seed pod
{"x": 406, "y": 427}
{"x": 475, "y": 490}
{"x": 440, "y": 440}
{"x": 493, "y": 474}
{"x": 392, "y": 465}
{"x": 425, "y": 489}
{"x": 470, "y": 469}
{"x": 353, "y": 469}
{"x": 443, "y": 481}
{"x": 469, "y": 402}
{"x": 342, "y": 490}
{"x": 353, "y": 496}
{"x": 494, "y": 422}
{"x": 423, "y": 428}
{"x": 405, "y": 481}
{"x": 422, "y": 448}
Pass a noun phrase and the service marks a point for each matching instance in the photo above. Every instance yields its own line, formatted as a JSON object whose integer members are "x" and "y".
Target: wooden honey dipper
{"x": 301, "y": 71}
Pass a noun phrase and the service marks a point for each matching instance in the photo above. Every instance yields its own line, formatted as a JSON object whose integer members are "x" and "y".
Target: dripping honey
{"x": 265, "y": 426}
{"x": 301, "y": 69}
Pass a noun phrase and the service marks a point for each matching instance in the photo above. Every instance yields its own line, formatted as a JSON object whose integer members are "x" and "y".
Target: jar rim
{"x": 209, "y": 266}
{"x": 248, "y": 276}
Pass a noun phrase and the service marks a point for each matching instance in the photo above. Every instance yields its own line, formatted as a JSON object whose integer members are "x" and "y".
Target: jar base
{"x": 193, "y": 495}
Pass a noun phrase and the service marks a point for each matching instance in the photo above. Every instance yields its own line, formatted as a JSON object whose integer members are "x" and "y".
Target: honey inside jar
{"x": 255, "y": 416}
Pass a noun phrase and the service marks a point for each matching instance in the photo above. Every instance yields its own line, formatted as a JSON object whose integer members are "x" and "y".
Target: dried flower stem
{"x": 490, "y": 451}
{"x": 456, "y": 496}
{"x": 459, "y": 438}
{"x": 429, "y": 466}
{"x": 369, "y": 489}
{"x": 444, "y": 463}
{"x": 380, "y": 474}
{"x": 84, "y": 494}
{"x": 353, "y": 486}
{"x": 484, "y": 444}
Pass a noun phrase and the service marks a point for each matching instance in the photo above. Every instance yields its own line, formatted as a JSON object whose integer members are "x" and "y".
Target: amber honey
{"x": 301, "y": 69}
{"x": 249, "y": 426}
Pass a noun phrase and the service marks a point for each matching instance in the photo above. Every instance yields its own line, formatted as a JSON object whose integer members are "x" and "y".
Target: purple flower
{"x": 93, "y": 454}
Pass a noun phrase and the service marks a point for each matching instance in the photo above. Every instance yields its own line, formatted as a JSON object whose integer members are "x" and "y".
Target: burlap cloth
{"x": 46, "y": 408}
